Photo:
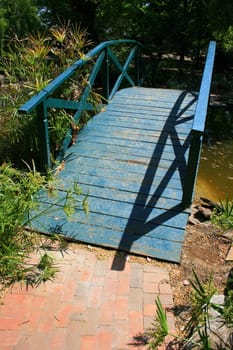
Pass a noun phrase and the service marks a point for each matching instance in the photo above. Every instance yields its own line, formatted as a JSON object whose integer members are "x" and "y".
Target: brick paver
{"x": 90, "y": 305}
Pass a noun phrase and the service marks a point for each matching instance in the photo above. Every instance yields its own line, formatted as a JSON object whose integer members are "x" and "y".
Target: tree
{"x": 82, "y": 12}
{"x": 18, "y": 17}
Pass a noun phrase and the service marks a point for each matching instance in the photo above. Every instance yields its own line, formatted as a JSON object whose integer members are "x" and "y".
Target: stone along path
{"x": 91, "y": 305}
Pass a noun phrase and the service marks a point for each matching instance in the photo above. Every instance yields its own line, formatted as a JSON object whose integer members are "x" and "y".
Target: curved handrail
{"x": 61, "y": 78}
{"x": 41, "y": 102}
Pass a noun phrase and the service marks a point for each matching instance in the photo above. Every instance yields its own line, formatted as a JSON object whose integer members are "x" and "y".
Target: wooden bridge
{"x": 136, "y": 159}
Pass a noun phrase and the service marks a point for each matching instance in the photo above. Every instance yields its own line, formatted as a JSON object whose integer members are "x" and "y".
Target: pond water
{"x": 215, "y": 176}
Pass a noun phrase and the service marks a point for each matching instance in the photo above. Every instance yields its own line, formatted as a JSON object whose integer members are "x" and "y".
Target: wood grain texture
{"x": 130, "y": 160}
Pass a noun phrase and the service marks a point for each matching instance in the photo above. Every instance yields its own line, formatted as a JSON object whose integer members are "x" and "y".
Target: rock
{"x": 193, "y": 221}
{"x": 228, "y": 234}
{"x": 229, "y": 256}
{"x": 220, "y": 335}
{"x": 186, "y": 283}
{"x": 205, "y": 212}
{"x": 208, "y": 202}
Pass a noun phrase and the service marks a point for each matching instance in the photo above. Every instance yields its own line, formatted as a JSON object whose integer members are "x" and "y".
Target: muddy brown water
{"x": 215, "y": 176}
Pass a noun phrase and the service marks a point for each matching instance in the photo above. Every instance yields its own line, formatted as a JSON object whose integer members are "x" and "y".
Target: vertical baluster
{"x": 106, "y": 75}
{"x": 192, "y": 167}
{"x": 42, "y": 120}
{"x": 138, "y": 66}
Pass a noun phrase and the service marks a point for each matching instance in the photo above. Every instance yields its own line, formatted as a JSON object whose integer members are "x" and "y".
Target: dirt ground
{"x": 205, "y": 250}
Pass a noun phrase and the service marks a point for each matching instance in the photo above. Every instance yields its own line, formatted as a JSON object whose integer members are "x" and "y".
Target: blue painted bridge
{"x": 136, "y": 161}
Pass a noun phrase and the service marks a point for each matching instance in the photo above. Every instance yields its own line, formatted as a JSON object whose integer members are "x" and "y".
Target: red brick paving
{"x": 88, "y": 306}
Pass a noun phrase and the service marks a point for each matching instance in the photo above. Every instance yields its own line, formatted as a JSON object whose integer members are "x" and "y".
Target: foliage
{"x": 81, "y": 12}
{"x": 197, "y": 329}
{"x": 198, "y": 324}
{"x": 28, "y": 65}
{"x": 223, "y": 214}
{"x": 20, "y": 193}
{"x": 160, "y": 327}
{"x": 193, "y": 22}
{"x": 227, "y": 312}
{"x": 17, "y": 16}
{"x": 18, "y": 197}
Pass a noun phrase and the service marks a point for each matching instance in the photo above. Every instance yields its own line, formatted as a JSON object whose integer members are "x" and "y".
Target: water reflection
{"x": 215, "y": 176}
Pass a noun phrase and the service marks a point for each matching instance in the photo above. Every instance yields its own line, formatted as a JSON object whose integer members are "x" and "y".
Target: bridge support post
{"x": 138, "y": 66}
{"x": 44, "y": 145}
{"x": 192, "y": 167}
{"x": 106, "y": 75}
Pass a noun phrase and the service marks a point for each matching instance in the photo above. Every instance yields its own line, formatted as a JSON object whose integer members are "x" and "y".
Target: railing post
{"x": 138, "y": 66}
{"x": 192, "y": 167}
{"x": 106, "y": 75}
{"x": 42, "y": 121}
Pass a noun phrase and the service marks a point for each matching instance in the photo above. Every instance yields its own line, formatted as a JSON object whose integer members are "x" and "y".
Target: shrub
{"x": 223, "y": 214}
{"x": 19, "y": 194}
{"x": 28, "y": 65}
{"x": 197, "y": 330}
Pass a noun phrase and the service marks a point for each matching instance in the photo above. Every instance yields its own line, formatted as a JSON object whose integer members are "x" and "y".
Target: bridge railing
{"x": 102, "y": 55}
{"x": 198, "y": 127}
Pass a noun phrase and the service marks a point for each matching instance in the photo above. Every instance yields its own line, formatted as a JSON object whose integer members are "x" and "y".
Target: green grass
{"x": 223, "y": 214}
{"x": 18, "y": 192}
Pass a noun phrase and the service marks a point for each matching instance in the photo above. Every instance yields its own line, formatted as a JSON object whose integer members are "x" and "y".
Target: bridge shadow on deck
{"x": 142, "y": 208}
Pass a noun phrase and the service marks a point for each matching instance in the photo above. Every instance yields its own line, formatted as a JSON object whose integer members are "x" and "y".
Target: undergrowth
{"x": 28, "y": 65}
{"x": 197, "y": 330}
{"x": 223, "y": 214}
{"x": 19, "y": 195}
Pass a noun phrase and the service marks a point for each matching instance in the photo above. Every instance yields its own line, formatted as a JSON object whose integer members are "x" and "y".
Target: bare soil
{"x": 205, "y": 250}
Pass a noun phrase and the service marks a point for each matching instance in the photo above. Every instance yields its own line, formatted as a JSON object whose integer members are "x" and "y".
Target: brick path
{"x": 88, "y": 306}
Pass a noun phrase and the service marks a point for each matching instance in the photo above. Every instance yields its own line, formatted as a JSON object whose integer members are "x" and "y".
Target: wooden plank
{"x": 136, "y": 211}
{"x": 131, "y": 146}
{"x": 116, "y": 223}
{"x": 154, "y": 114}
{"x": 143, "y": 118}
{"x": 128, "y": 134}
{"x": 117, "y": 179}
{"x": 160, "y": 191}
{"x": 132, "y": 133}
{"x": 75, "y": 164}
{"x": 167, "y": 127}
{"x": 150, "y": 152}
{"x": 120, "y": 194}
{"x": 130, "y": 143}
{"x": 162, "y": 249}
{"x": 115, "y": 156}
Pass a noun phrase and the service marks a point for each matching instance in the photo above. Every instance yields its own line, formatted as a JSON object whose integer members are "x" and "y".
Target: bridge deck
{"x": 131, "y": 160}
